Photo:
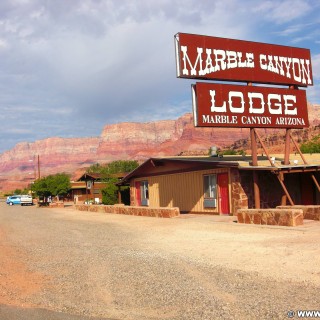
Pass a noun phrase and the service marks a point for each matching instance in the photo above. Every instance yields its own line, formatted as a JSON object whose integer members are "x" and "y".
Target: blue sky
{"x": 68, "y": 67}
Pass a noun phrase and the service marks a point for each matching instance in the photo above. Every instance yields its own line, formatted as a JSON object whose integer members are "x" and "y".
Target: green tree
{"x": 53, "y": 185}
{"x": 118, "y": 166}
{"x": 312, "y": 146}
{"x": 122, "y": 166}
{"x": 110, "y": 192}
{"x": 228, "y": 152}
{"x": 21, "y": 191}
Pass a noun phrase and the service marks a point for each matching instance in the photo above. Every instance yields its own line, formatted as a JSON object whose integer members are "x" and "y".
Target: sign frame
{"x": 238, "y": 106}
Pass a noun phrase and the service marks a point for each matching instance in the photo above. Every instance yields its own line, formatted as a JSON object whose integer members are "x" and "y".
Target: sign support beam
{"x": 286, "y": 195}
{"x": 315, "y": 182}
{"x": 256, "y": 189}
{"x": 264, "y": 148}
{"x": 287, "y": 147}
{"x": 254, "y": 154}
{"x": 298, "y": 149}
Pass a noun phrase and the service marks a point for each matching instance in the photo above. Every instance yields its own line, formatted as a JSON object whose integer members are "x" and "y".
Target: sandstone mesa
{"x": 124, "y": 141}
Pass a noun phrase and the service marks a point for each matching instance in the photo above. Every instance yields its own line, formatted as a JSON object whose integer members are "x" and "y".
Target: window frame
{"x": 210, "y": 187}
{"x": 144, "y": 192}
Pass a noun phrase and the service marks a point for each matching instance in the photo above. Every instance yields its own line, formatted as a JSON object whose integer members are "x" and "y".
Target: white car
{"x": 26, "y": 200}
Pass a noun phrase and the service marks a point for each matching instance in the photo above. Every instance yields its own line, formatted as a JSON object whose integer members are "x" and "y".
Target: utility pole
{"x": 38, "y": 167}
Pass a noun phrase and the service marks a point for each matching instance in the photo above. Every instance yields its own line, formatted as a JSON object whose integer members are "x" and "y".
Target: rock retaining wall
{"x": 275, "y": 217}
{"x": 131, "y": 210}
{"x": 56, "y": 205}
{"x": 51, "y": 204}
{"x": 309, "y": 212}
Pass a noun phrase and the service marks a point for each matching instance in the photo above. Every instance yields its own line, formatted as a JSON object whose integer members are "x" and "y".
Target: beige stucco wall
{"x": 183, "y": 190}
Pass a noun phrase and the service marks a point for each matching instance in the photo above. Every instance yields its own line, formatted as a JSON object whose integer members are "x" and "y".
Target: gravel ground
{"x": 78, "y": 265}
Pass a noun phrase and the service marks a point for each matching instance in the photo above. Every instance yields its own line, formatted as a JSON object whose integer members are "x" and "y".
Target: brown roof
{"x": 169, "y": 165}
{"x": 99, "y": 176}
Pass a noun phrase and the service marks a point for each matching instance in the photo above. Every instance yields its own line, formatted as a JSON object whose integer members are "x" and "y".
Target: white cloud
{"x": 283, "y": 11}
{"x": 3, "y": 44}
{"x": 316, "y": 66}
{"x": 313, "y": 94}
{"x": 86, "y": 63}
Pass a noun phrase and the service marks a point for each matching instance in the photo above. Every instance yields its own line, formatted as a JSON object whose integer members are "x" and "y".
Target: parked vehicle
{"x": 11, "y": 200}
{"x": 26, "y": 200}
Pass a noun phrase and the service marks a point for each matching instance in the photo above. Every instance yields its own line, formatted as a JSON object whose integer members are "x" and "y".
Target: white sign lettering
{"x": 257, "y": 104}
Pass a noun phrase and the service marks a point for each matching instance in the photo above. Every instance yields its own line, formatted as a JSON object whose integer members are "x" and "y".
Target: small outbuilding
{"x": 222, "y": 185}
{"x": 87, "y": 187}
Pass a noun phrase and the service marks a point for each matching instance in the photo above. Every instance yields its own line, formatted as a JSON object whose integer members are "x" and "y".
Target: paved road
{"x": 64, "y": 264}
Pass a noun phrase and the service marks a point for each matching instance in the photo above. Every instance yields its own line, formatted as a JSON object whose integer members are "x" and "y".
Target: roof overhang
{"x": 172, "y": 165}
{"x": 162, "y": 166}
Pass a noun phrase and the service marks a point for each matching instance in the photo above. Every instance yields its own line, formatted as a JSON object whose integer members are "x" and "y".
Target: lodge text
{"x": 237, "y": 106}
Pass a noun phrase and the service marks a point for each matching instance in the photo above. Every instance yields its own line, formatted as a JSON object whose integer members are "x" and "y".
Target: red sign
{"x": 211, "y": 58}
{"x": 223, "y": 105}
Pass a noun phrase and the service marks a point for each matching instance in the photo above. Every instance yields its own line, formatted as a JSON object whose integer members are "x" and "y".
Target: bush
{"x": 312, "y": 146}
{"x": 53, "y": 185}
{"x": 110, "y": 193}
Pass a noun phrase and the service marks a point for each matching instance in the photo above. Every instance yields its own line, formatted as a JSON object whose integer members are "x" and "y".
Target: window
{"x": 96, "y": 191}
{"x": 144, "y": 188}
{"x": 210, "y": 190}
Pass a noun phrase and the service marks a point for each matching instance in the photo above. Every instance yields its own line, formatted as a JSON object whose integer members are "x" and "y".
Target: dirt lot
{"x": 66, "y": 264}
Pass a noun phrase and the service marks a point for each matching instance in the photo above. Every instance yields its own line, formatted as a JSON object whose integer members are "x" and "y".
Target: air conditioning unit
{"x": 144, "y": 202}
{"x": 210, "y": 203}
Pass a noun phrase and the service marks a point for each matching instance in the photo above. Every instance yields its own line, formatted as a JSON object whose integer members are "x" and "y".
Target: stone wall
{"x": 51, "y": 204}
{"x": 131, "y": 210}
{"x": 275, "y": 217}
{"x": 270, "y": 189}
{"x": 239, "y": 198}
{"x": 309, "y": 212}
{"x": 56, "y": 205}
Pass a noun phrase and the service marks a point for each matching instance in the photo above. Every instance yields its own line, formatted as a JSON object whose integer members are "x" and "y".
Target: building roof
{"x": 169, "y": 165}
{"x": 98, "y": 176}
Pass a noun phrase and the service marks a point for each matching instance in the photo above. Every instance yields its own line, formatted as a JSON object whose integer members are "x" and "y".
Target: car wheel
{"x": 11, "y": 203}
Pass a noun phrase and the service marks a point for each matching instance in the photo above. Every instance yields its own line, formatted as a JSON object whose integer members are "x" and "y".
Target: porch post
{"x": 256, "y": 190}
{"x": 119, "y": 195}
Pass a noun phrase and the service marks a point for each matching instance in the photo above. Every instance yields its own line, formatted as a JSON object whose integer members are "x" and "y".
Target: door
{"x": 138, "y": 193}
{"x": 223, "y": 187}
{"x": 307, "y": 189}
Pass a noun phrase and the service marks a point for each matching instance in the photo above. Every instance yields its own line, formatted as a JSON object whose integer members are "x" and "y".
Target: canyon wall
{"x": 123, "y": 141}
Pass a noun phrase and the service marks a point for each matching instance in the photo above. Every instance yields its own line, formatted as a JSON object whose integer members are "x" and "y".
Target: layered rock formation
{"x": 161, "y": 138}
{"x": 275, "y": 139}
{"x": 123, "y": 141}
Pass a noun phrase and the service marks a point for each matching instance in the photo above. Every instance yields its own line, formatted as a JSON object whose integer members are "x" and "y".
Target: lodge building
{"x": 222, "y": 185}
{"x": 88, "y": 187}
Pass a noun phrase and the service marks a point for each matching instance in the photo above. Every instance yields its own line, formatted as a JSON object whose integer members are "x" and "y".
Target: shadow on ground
{"x": 17, "y": 313}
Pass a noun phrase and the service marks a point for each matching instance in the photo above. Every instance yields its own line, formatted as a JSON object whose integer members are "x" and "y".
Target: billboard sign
{"x": 212, "y": 58}
{"x": 224, "y": 105}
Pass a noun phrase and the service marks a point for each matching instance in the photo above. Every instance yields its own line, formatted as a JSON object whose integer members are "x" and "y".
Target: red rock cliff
{"x": 129, "y": 140}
